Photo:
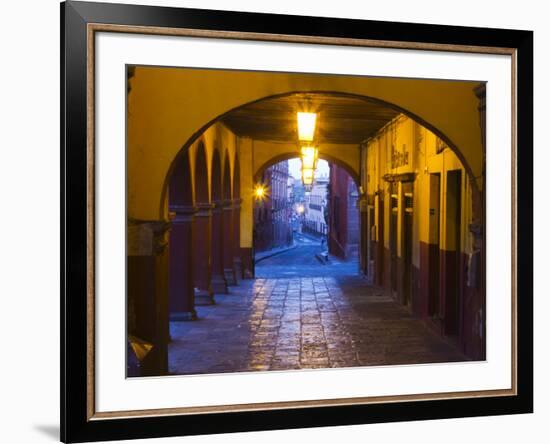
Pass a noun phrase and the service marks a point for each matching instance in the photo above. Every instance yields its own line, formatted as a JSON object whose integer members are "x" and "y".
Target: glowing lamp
{"x": 259, "y": 192}
{"x": 306, "y": 126}
{"x": 307, "y": 176}
{"x": 309, "y": 157}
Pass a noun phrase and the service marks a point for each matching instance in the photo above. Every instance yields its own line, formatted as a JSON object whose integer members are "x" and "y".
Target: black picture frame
{"x": 75, "y": 425}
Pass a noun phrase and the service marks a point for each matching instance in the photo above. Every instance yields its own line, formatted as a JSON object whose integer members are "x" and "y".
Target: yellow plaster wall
{"x": 424, "y": 161}
{"x": 215, "y": 137}
{"x": 246, "y": 159}
{"x": 169, "y": 106}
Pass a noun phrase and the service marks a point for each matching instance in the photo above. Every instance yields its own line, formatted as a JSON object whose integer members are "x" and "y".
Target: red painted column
{"x": 202, "y": 251}
{"x": 228, "y": 244}
{"x": 237, "y": 261}
{"x": 182, "y": 293}
{"x": 218, "y": 282}
{"x": 148, "y": 294}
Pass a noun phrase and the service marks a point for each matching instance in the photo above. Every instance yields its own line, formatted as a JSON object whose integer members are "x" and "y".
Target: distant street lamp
{"x": 260, "y": 192}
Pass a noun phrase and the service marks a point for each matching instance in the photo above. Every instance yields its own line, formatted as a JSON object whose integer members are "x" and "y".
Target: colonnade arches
{"x": 477, "y": 193}
{"x": 203, "y": 207}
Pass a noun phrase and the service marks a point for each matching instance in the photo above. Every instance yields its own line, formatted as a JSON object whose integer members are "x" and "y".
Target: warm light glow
{"x": 300, "y": 209}
{"x": 309, "y": 163}
{"x": 259, "y": 192}
{"x": 307, "y": 176}
{"x": 306, "y": 126}
{"x": 309, "y": 157}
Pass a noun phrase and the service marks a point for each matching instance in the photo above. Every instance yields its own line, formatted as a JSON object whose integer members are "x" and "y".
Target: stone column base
{"x": 238, "y": 266}
{"x": 247, "y": 263}
{"x": 204, "y": 297}
{"x": 230, "y": 276}
{"x": 183, "y": 316}
{"x": 219, "y": 284}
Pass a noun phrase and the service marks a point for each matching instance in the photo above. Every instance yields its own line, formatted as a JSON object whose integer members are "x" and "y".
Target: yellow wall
{"x": 169, "y": 106}
{"x": 405, "y": 135}
{"x": 217, "y": 137}
{"x": 246, "y": 158}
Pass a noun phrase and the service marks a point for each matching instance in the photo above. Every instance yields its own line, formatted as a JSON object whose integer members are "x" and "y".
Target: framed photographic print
{"x": 277, "y": 221}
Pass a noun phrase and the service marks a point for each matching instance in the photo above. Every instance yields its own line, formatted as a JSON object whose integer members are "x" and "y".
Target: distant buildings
{"x": 329, "y": 210}
{"x": 344, "y": 233}
{"x": 272, "y": 213}
{"x": 314, "y": 221}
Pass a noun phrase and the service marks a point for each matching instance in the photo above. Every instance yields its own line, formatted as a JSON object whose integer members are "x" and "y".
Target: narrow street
{"x": 301, "y": 314}
{"x": 302, "y": 261}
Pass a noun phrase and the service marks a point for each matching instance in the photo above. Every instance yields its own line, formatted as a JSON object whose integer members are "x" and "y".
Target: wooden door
{"x": 452, "y": 268}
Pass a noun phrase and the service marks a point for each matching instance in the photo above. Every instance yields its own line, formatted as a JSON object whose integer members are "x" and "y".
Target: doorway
{"x": 433, "y": 246}
{"x": 453, "y": 229}
{"x": 407, "y": 190}
{"x": 394, "y": 227}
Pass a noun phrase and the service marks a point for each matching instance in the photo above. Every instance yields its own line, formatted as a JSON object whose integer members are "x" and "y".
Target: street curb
{"x": 276, "y": 253}
{"x": 311, "y": 237}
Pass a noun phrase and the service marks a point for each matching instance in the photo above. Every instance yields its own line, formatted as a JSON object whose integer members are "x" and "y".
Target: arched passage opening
{"x": 293, "y": 155}
{"x": 182, "y": 210}
{"x": 358, "y": 133}
{"x": 306, "y": 231}
{"x": 474, "y": 172}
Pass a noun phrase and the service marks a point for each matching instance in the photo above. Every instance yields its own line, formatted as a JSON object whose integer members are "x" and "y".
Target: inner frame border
{"x": 91, "y": 29}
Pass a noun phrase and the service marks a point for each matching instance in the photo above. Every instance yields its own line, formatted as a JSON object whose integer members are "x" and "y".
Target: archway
{"x": 293, "y": 155}
{"x": 180, "y": 204}
{"x": 306, "y": 231}
{"x": 473, "y": 173}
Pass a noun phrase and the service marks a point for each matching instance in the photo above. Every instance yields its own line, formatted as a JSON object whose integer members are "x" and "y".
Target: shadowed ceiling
{"x": 340, "y": 119}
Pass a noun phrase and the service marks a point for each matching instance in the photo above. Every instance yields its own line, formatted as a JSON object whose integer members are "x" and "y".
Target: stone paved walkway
{"x": 299, "y": 323}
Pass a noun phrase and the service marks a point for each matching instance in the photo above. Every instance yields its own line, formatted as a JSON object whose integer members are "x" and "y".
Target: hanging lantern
{"x": 308, "y": 153}
{"x": 309, "y": 156}
{"x": 306, "y": 126}
{"x": 307, "y": 176}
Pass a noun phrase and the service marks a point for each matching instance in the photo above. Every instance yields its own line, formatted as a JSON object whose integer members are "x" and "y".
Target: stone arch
{"x": 439, "y": 133}
{"x": 180, "y": 182}
{"x": 201, "y": 175}
{"x": 180, "y": 264}
{"x": 294, "y": 155}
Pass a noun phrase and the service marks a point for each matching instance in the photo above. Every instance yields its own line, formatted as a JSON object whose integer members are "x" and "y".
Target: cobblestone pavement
{"x": 299, "y": 323}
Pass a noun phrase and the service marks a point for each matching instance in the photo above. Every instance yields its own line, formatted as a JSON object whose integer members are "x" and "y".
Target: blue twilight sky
{"x": 294, "y": 167}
